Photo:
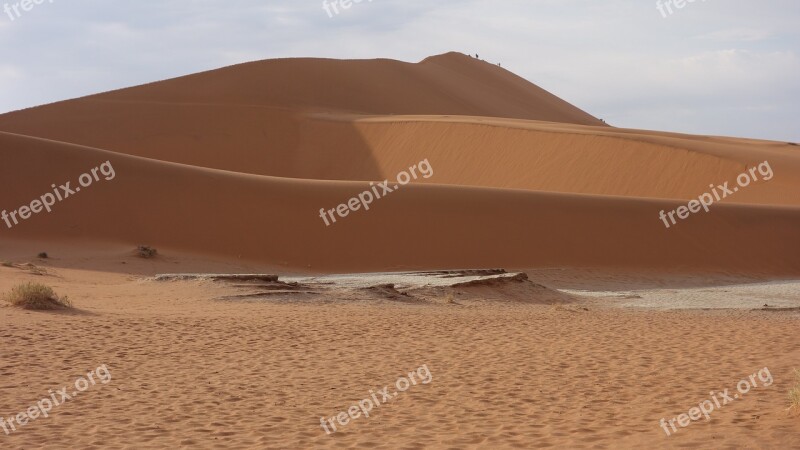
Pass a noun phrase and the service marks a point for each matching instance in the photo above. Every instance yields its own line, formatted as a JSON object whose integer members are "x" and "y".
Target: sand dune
{"x": 276, "y": 220}
{"x": 267, "y": 118}
{"x": 237, "y": 162}
{"x": 254, "y": 117}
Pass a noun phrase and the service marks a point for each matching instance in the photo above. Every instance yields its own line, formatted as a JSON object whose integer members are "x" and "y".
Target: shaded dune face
{"x": 237, "y": 162}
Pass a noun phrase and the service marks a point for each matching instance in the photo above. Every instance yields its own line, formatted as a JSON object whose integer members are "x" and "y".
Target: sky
{"x": 719, "y": 67}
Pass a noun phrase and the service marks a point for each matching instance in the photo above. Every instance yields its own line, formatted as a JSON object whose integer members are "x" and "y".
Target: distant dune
{"x": 237, "y": 162}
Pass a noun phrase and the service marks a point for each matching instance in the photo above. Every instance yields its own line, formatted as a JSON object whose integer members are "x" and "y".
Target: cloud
{"x": 619, "y": 60}
{"x": 736, "y": 35}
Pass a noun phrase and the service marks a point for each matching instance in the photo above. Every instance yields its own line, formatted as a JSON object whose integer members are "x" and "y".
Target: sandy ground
{"x": 189, "y": 371}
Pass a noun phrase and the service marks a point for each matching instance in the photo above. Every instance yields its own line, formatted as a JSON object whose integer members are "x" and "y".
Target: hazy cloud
{"x": 716, "y": 67}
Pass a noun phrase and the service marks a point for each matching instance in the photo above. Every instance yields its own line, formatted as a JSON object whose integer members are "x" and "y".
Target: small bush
{"x": 146, "y": 252}
{"x": 7, "y": 264}
{"x": 42, "y": 255}
{"x": 794, "y": 392}
{"x": 37, "y": 297}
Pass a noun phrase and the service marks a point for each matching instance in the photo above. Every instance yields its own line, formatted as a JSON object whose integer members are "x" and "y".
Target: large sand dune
{"x": 237, "y": 163}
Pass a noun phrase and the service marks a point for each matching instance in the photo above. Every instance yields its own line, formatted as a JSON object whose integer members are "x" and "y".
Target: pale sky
{"x": 723, "y": 67}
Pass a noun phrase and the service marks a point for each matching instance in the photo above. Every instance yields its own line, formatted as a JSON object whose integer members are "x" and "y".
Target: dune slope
{"x": 276, "y": 220}
{"x": 253, "y": 117}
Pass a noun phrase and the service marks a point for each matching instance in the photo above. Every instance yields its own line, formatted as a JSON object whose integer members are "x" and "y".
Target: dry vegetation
{"x": 146, "y": 252}
{"x": 36, "y": 297}
{"x": 794, "y": 392}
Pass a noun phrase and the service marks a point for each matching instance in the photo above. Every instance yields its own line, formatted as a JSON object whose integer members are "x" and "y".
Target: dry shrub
{"x": 794, "y": 392}
{"x": 146, "y": 252}
{"x": 36, "y": 297}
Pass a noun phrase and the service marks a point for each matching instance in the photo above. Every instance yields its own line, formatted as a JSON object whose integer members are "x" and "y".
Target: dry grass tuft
{"x": 146, "y": 252}
{"x": 794, "y": 392}
{"x": 36, "y": 297}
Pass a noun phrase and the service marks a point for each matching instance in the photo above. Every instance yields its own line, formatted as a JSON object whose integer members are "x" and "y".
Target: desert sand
{"x": 617, "y": 323}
